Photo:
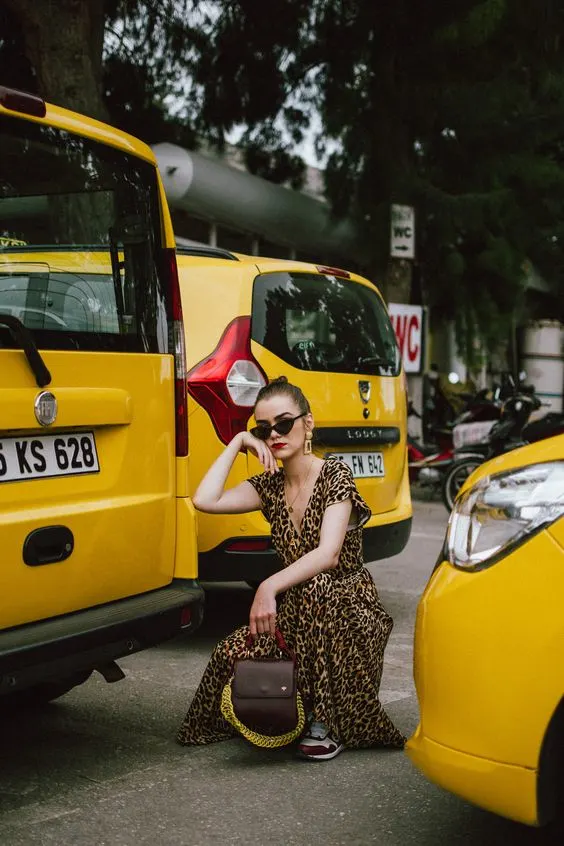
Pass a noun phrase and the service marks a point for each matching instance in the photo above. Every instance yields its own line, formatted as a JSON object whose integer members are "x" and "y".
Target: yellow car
{"x": 97, "y": 530}
{"x": 489, "y": 643}
{"x": 249, "y": 319}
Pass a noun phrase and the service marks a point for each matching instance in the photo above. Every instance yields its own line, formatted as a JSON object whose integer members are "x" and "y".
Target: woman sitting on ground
{"x": 324, "y": 600}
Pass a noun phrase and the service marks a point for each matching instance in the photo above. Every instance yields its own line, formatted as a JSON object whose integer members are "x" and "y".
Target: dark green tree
{"x": 174, "y": 70}
{"x": 457, "y": 108}
{"x": 55, "y": 47}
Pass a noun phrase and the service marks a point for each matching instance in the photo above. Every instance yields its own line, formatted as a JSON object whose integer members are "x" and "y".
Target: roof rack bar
{"x": 206, "y": 252}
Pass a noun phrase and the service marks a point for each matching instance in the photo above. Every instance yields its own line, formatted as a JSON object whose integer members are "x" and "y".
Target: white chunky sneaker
{"x": 318, "y": 745}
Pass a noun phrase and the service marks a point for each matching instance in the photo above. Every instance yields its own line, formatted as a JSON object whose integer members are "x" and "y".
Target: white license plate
{"x": 362, "y": 464}
{"x": 471, "y": 433}
{"x": 43, "y": 456}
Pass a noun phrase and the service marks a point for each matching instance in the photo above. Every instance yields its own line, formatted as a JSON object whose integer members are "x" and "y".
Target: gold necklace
{"x": 290, "y": 506}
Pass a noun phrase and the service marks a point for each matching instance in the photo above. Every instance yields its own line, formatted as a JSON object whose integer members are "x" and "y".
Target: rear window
{"x": 324, "y": 323}
{"x": 81, "y": 260}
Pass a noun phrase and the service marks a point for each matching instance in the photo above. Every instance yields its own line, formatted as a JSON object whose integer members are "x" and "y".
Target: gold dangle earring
{"x": 307, "y": 442}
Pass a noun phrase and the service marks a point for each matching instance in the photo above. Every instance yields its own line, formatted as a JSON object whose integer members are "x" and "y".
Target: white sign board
{"x": 407, "y": 321}
{"x": 402, "y": 232}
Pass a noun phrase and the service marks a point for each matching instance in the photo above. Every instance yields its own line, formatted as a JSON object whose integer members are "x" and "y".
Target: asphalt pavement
{"x": 101, "y": 767}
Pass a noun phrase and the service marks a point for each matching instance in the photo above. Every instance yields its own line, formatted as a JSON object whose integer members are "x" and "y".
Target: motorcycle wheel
{"x": 455, "y": 478}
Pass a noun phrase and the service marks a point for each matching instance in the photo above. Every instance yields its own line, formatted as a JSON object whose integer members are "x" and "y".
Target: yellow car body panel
{"x": 501, "y": 788}
{"x": 213, "y": 294}
{"x": 88, "y": 127}
{"x": 130, "y": 498}
{"x": 488, "y": 664}
{"x": 186, "y": 550}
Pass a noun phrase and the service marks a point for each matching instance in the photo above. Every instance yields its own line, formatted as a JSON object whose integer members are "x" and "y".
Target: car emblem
{"x": 364, "y": 390}
{"x": 45, "y": 408}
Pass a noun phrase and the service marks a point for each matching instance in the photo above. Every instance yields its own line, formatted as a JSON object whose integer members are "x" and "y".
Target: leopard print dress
{"x": 334, "y": 622}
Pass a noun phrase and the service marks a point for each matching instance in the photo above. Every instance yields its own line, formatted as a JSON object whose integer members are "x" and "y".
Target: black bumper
{"x": 385, "y": 541}
{"x": 221, "y": 565}
{"x": 82, "y": 641}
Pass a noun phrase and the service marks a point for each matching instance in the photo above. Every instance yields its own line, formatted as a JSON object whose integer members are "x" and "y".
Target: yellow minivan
{"x": 98, "y": 533}
{"x": 489, "y": 641}
{"x": 250, "y": 319}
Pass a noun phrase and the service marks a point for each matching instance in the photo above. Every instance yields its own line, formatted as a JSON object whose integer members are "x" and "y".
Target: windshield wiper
{"x": 23, "y": 336}
{"x": 129, "y": 233}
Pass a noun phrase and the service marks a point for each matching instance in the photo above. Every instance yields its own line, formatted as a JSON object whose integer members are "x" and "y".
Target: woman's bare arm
{"x": 210, "y": 495}
{"x": 324, "y": 557}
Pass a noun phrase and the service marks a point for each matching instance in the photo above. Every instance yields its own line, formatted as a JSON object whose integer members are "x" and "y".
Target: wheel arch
{"x": 550, "y": 778}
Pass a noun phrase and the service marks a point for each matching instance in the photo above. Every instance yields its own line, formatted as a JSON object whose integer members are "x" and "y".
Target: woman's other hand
{"x": 260, "y": 450}
{"x": 262, "y": 619}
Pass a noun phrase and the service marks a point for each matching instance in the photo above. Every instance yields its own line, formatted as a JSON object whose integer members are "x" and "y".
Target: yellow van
{"x": 98, "y": 534}
{"x": 250, "y": 319}
{"x": 489, "y": 641}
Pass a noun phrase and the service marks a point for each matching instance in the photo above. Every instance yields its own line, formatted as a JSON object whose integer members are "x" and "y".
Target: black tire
{"x": 455, "y": 478}
{"x": 41, "y": 694}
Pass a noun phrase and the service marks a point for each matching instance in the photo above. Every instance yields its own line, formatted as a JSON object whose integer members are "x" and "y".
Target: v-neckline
{"x": 298, "y": 531}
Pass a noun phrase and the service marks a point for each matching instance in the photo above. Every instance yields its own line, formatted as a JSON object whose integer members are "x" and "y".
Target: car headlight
{"x": 502, "y": 511}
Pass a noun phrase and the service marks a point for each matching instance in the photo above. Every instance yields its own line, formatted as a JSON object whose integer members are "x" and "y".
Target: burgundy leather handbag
{"x": 262, "y": 700}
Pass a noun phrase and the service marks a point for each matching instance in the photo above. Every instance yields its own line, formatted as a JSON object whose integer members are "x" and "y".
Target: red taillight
{"x": 179, "y": 351}
{"x": 248, "y": 545}
{"x": 227, "y": 382}
{"x": 185, "y": 617}
{"x": 21, "y": 101}
{"x": 334, "y": 271}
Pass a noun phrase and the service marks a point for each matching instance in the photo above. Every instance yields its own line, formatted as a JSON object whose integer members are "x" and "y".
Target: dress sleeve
{"x": 340, "y": 486}
{"x": 262, "y": 484}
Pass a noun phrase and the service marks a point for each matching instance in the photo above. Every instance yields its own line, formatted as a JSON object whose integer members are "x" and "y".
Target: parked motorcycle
{"x": 428, "y": 462}
{"x": 512, "y": 430}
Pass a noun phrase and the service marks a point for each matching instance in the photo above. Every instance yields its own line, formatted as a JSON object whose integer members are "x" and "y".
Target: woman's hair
{"x": 281, "y": 386}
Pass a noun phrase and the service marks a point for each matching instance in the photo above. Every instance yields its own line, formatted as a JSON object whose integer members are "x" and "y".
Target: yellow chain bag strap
{"x": 262, "y": 700}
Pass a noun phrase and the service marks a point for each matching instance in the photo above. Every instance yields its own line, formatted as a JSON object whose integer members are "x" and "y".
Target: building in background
{"x": 216, "y": 201}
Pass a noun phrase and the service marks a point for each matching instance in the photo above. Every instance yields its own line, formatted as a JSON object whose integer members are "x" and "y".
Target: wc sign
{"x": 402, "y": 232}
{"x": 407, "y": 321}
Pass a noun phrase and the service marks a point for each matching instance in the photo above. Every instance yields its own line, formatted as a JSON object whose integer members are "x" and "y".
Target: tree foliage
{"x": 455, "y": 107}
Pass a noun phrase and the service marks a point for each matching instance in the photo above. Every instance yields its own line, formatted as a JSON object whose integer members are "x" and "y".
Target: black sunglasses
{"x": 264, "y": 430}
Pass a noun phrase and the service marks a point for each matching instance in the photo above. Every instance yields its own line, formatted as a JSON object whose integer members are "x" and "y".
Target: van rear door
{"x": 330, "y": 334}
{"x": 87, "y": 456}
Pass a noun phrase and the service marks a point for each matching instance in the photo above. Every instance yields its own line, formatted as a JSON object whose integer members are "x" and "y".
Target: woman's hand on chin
{"x": 260, "y": 450}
